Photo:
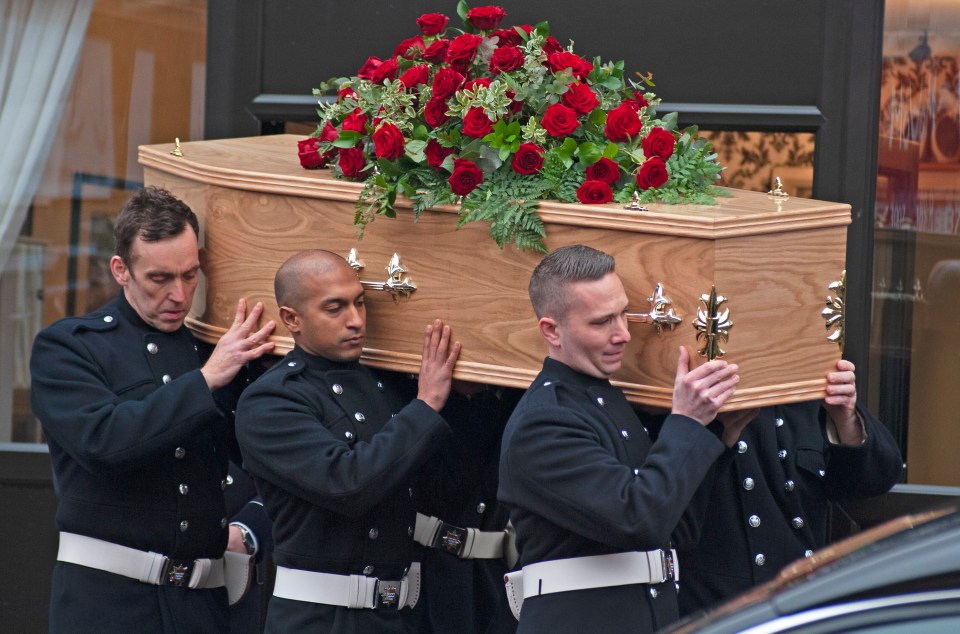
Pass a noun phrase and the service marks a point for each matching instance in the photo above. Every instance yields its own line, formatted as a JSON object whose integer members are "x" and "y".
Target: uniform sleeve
{"x": 865, "y": 470}
{"x": 284, "y": 441}
{"x": 557, "y": 469}
{"x": 244, "y": 506}
{"x": 102, "y": 430}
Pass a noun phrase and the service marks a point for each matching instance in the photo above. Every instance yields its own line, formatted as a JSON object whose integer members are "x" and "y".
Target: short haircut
{"x": 151, "y": 214}
{"x": 286, "y": 283}
{"x": 565, "y": 265}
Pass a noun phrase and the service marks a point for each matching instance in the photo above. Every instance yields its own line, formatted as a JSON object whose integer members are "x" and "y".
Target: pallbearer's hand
{"x": 240, "y": 344}
{"x": 436, "y": 369}
{"x": 699, "y": 393}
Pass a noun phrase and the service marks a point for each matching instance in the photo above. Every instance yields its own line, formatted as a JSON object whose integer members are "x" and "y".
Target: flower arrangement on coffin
{"x": 496, "y": 119}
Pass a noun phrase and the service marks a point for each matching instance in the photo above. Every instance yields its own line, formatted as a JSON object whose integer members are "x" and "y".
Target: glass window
{"x": 915, "y": 341}
{"x": 139, "y": 76}
{"x": 754, "y": 160}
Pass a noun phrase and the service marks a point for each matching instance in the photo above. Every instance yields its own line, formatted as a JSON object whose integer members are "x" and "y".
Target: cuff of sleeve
{"x": 834, "y": 438}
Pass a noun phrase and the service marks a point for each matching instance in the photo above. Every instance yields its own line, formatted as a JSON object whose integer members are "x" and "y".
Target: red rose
{"x": 510, "y": 37}
{"x": 465, "y": 177}
{"x": 404, "y": 48}
{"x": 387, "y": 70}
{"x": 623, "y": 122}
{"x": 528, "y": 159}
{"x": 580, "y": 97}
{"x": 436, "y": 153}
{"x": 515, "y": 106}
{"x": 580, "y": 67}
{"x": 346, "y": 93}
{"x": 486, "y": 18}
{"x": 659, "y": 143}
{"x": 366, "y": 71}
{"x": 388, "y": 142}
{"x": 463, "y": 49}
{"x": 638, "y": 101}
{"x": 605, "y": 170}
{"x": 432, "y": 23}
{"x": 551, "y": 45}
{"x": 328, "y": 133}
{"x": 506, "y": 59}
{"x": 446, "y": 82}
{"x": 652, "y": 174}
{"x": 415, "y": 76}
{"x": 559, "y": 120}
{"x": 435, "y": 112}
{"x": 594, "y": 193}
{"x": 476, "y": 123}
{"x": 351, "y": 162}
{"x": 309, "y": 152}
{"x": 473, "y": 83}
{"x": 355, "y": 122}
{"x": 436, "y": 52}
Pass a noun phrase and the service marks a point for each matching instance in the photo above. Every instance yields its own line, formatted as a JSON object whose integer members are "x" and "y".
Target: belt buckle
{"x": 388, "y": 594}
{"x": 450, "y": 539}
{"x": 176, "y": 573}
{"x": 666, "y": 561}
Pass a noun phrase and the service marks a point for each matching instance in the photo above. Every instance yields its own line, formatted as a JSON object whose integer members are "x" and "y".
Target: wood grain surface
{"x": 773, "y": 260}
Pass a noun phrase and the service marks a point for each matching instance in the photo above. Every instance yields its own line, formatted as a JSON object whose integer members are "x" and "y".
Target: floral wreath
{"x": 495, "y": 119}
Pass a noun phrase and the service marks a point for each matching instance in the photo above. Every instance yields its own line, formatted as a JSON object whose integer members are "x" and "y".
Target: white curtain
{"x": 40, "y": 43}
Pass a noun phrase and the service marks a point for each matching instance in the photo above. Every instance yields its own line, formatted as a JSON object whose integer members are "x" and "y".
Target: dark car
{"x": 900, "y": 577}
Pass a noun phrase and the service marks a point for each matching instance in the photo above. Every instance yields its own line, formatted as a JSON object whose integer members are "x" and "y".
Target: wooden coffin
{"x": 772, "y": 258}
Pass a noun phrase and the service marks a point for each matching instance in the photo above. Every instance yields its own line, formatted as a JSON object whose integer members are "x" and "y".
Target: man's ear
{"x": 290, "y": 318}
{"x": 550, "y": 331}
{"x": 202, "y": 255}
{"x": 120, "y": 270}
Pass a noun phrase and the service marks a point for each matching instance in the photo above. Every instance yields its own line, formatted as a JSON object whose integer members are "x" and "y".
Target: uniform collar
{"x": 129, "y": 313}
{"x": 321, "y": 363}
{"x": 563, "y": 372}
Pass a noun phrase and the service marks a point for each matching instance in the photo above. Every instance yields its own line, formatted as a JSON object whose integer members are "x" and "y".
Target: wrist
{"x": 249, "y": 540}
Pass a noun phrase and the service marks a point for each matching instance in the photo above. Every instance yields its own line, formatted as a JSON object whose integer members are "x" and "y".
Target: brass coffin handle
{"x": 660, "y": 315}
{"x": 395, "y": 284}
{"x": 713, "y": 325}
{"x": 835, "y": 312}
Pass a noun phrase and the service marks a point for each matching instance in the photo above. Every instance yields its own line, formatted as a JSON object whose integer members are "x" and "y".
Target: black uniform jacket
{"x": 768, "y": 506}
{"x": 581, "y": 477}
{"x": 139, "y": 450}
{"x": 335, "y": 456}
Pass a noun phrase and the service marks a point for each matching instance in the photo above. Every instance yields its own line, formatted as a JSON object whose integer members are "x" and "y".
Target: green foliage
{"x": 515, "y": 101}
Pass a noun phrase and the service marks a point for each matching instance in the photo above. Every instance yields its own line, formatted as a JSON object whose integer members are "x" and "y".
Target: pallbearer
{"x": 594, "y": 502}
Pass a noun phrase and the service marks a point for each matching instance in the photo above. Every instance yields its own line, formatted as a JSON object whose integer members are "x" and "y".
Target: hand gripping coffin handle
{"x": 397, "y": 285}
{"x": 660, "y": 315}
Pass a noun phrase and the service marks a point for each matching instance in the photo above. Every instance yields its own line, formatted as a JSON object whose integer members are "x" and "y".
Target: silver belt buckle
{"x": 388, "y": 594}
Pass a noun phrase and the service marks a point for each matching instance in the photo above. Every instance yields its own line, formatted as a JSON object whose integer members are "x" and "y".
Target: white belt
{"x": 148, "y": 567}
{"x": 465, "y": 543}
{"x": 582, "y": 573}
{"x": 349, "y": 591}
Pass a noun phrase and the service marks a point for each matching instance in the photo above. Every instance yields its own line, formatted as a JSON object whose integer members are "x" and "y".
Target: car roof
{"x": 903, "y": 550}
